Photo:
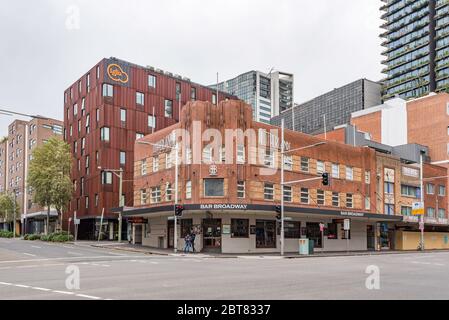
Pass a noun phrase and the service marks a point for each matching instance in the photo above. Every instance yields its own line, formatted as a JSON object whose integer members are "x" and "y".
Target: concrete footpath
{"x": 288, "y": 255}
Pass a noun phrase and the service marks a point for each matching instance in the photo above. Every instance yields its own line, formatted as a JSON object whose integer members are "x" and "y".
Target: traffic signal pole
{"x": 282, "y": 187}
{"x": 175, "y": 244}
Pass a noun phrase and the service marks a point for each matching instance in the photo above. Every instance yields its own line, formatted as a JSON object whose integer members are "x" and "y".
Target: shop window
{"x": 332, "y": 231}
{"x": 265, "y": 234}
{"x": 292, "y": 229}
{"x": 239, "y": 228}
{"x": 214, "y": 187}
{"x": 186, "y": 227}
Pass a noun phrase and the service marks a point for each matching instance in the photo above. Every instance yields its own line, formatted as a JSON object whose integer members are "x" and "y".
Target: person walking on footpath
{"x": 192, "y": 240}
{"x": 188, "y": 243}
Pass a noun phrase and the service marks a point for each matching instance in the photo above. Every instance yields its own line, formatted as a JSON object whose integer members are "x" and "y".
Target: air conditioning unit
{"x": 160, "y": 70}
{"x": 169, "y": 74}
{"x": 186, "y": 79}
{"x": 178, "y": 76}
{"x": 150, "y": 68}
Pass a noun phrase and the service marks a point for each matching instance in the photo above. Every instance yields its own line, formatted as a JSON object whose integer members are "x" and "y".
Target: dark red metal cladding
{"x": 122, "y": 134}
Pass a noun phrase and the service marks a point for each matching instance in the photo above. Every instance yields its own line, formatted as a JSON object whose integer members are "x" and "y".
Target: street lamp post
{"x": 422, "y": 200}
{"x": 176, "y": 148}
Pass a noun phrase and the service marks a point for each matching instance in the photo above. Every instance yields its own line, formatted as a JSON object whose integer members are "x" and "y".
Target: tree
{"x": 49, "y": 176}
{"x": 7, "y": 207}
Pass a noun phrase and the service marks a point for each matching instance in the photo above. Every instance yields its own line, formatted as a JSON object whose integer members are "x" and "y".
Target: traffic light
{"x": 278, "y": 211}
{"x": 178, "y": 210}
{"x": 325, "y": 181}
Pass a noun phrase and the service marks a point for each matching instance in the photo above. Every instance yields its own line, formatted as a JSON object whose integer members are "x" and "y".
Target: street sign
{"x": 417, "y": 208}
{"x": 321, "y": 227}
{"x": 77, "y": 221}
{"x": 347, "y": 224}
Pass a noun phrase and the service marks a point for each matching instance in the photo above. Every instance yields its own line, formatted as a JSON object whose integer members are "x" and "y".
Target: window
{"x": 430, "y": 212}
{"x": 305, "y": 195}
{"x": 88, "y": 123}
{"x": 335, "y": 171}
{"x": 79, "y": 126}
{"x": 406, "y": 211}
{"x": 88, "y": 82}
{"x": 151, "y": 81}
{"x": 87, "y": 202}
{"x": 108, "y": 90}
{"x": 320, "y": 198}
{"x": 292, "y": 230}
{"x": 123, "y": 115}
{"x": 122, "y": 158}
{"x": 240, "y": 154}
{"x": 287, "y": 193}
{"x": 241, "y": 189}
{"x": 139, "y": 135}
{"x": 430, "y": 188}
{"x": 75, "y": 109}
{"x": 106, "y": 177}
{"x": 214, "y": 98}
{"x": 178, "y": 91}
{"x": 168, "y": 108}
{"x": 168, "y": 160}
{"x": 96, "y": 200}
{"x": 143, "y": 169}
{"x": 98, "y": 72}
{"x": 75, "y": 147}
{"x": 143, "y": 196}
{"x": 104, "y": 132}
{"x": 441, "y": 190}
{"x": 140, "y": 98}
{"x": 288, "y": 163}
{"x": 83, "y": 106}
{"x": 155, "y": 164}
{"x": 193, "y": 93}
{"x": 156, "y": 194}
{"x": 188, "y": 155}
{"x": 168, "y": 191}
{"x": 441, "y": 213}
{"x": 83, "y": 145}
{"x": 389, "y": 187}
{"x": 349, "y": 173}
{"x": 335, "y": 199}
{"x": 151, "y": 121}
{"x": 239, "y": 228}
{"x": 332, "y": 231}
{"x": 304, "y": 164}
{"x": 268, "y": 191}
{"x": 320, "y": 167}
{"x": 207, "y": 154}
{"x": 214, "y": 187}
{"x": 349, "y": 200}
{"x": 189, "y": 190}
{"x": 87, "y": 164}
{"x": 389, "y": 209}
{"x": 269, "y": 158}
{"x": 410, "y": 191}
{"x": 222, "y": 154}
{"x": 97, "y": 118}
{"x": 367, "y": 203}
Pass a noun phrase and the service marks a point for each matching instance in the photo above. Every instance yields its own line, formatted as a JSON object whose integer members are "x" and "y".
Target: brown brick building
{"x": 106, "y": 110}
{"x": 16, "y": 152}
{"x": 230, "y": 201}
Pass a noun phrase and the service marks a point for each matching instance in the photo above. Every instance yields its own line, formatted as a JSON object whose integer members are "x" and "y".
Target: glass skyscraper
{"x": 416, "y": 43}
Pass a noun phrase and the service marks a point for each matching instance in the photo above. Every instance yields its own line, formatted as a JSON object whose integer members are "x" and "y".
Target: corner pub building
{"x": 230, "y": 199}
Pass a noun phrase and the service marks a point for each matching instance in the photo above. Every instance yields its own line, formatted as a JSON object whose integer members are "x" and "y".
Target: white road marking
{"x": 29, "y": 254}
{"x": 21, "y": 286}
{"x": 37, "y": 247}
{"x": 88, "y": 297}
{"x": 62, "y": 292}
{"x": 40, "y": 289}
{"x": 74, "y": 253}
{"x": 6, "y": 283}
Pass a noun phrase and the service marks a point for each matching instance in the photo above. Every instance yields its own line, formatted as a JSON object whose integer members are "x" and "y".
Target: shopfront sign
{"x": 137, "y": 220}
{"x": 352, "y": 214}
{"x": 223, "y": 206}
{"x": 417, "y": 208}
{"x": 226, "y": 229}
{"x": 115, "y": 72}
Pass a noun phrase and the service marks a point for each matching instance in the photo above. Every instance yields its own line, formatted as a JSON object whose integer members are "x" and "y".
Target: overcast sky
{"x": 47, "y": 45}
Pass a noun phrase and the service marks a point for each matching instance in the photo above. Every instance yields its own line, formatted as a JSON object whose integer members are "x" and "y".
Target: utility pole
{"x": 14, "y": 211}
{"x": 121, "y": 204}
{"x": 175, "y": 240}
{"x": 422, "y": 200}
{"x": 282, "y": 187}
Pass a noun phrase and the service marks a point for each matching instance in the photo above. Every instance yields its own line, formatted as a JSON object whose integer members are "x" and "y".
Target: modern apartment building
{"x": 268, "y": 94}
{"x": 416, "y": 44}
{"x": 16, "y": 152}
{"x": 105, "y": 111}
{"x": 332, "y": 109}
{"x": 230, "y": 199}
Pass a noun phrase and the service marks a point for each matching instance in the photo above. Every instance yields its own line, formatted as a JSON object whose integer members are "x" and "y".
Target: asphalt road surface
{"x": 38, "y": 270}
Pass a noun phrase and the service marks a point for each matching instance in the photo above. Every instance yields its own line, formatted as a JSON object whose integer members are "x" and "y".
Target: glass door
{"x": 212, "y": 234}
{"x": 265, "y": 234}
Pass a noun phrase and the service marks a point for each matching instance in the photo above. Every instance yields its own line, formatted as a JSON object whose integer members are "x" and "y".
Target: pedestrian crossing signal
{"x": 325, "y": 181}
{"x": 178, "y": 210}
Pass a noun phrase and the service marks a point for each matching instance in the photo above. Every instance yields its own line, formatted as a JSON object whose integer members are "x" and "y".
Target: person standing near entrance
{"x": 192, "y": 240}
{"x": 188, "y": 243}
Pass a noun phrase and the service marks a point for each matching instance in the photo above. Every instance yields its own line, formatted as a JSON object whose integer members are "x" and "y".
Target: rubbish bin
{"x": 303, "y": 246}
{"x": 311, "y": 246}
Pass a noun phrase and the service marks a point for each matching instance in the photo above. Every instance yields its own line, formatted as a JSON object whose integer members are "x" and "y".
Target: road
{"x": 38, "y": 270}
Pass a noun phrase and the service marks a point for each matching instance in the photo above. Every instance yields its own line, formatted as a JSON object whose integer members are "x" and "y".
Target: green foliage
{"x": 7, "y": 207}
{"x": 57, "y": 237}
{"x": 6, "y": 234}
{"x": 49, "y": 174}
{"x": 32, "y": 237}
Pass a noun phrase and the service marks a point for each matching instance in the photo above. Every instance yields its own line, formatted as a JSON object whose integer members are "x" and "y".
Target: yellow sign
{"x": 116, "y": 73}
{"x": 417, "y": 208}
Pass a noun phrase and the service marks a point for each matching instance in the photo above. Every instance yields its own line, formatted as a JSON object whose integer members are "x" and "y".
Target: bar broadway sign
{"x": 223, "y": 206}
